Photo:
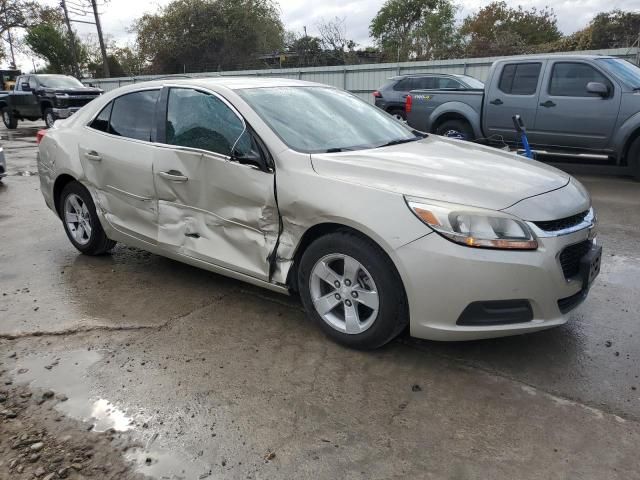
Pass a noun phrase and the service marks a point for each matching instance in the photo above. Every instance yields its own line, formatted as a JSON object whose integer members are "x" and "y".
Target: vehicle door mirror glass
{"x": 598, "y": 88}
{"x": 25, "y": 87}
{"x": 246, "y": 151}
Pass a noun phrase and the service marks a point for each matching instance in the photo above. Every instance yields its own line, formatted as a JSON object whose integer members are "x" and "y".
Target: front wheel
{"x": 352, "y": 290}
{"x": 455, "y": 129}
{"x": 49, "y": 117}
{"x": 81, "y": 222}
{"x": 633, "y": 159}
{"x": 9, "y": 119}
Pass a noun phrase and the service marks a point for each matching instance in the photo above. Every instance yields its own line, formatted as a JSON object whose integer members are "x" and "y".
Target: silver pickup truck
{"x": 583, "y": 105}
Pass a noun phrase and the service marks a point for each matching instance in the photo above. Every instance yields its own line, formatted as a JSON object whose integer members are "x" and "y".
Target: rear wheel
{"x": 49, "y": 117}
{"x": 398, "y": 114}
{"x": 81, "y": 222}
{"x": 633, "y": 159}
{"x": 351, "y": 289}
{"x": 456, "y": 129}
{"x": 9, "y": 119}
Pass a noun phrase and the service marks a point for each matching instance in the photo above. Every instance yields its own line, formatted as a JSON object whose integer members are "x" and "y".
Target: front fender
{"x": 458, "y": 108}
{"x": 623, "y": 134}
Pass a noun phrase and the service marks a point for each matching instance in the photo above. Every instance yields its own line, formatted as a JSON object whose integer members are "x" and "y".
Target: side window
{"x": 19, "y": 81}
{"x": 132, "y": 115}
{"x": 101, "y": 122}
{"x": 33, "y": 83}
{"x": 520, "y": 78}
{"x": 404, "y": 85}
{"x": 448, "y": 83}
{"x": 429, "y": 82}
{"x": 571, "y": 79}
{"x": 200, "y": 120}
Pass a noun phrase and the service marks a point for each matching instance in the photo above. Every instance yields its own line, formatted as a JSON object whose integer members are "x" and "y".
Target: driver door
{"x": 211, "y": 207}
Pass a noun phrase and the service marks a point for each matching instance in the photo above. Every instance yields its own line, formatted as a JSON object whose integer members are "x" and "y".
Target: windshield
{"x": 471, "y": 82}
{"x": 58, "y": 81}
{"x": 625, "y": 71}
{"x": 323, "y": 119}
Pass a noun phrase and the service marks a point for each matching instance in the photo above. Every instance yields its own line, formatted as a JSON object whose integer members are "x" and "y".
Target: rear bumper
{"x": 444, "y": 281}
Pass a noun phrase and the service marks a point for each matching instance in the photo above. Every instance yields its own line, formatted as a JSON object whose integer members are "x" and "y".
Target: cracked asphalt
{"x": 181, "y": 373}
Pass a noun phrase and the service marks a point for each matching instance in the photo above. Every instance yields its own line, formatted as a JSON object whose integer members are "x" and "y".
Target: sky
{"x": 117, "y": 15}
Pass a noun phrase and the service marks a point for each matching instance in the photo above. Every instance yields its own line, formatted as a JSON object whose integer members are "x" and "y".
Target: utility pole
{"x": 103, "y": 50}
{"x": 13, "y": 57}
{"x": 74, "y": 60}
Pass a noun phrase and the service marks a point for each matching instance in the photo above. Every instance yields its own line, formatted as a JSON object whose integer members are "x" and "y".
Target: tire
{"x": 9, "y": 119}
{"x": 633, "y": 159}
{"x": 49, "y": 117}
{"x": 398, "y": 113}
{"x": 76, "y": 198}
{"x": 450, "y": 128}
{"x": 375, "y": 273}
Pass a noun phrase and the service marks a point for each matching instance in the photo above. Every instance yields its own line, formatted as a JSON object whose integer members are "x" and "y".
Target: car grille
{"x": 561, "y": 224}
{"x": 79, "y": 102}
{"x": 571, "y": 256}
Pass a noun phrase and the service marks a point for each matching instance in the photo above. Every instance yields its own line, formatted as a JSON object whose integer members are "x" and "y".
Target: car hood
{"x": 75, "y": 90}
{"x": 447, "y": 170}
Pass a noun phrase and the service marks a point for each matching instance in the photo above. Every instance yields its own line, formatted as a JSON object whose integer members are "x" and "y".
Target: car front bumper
{"x": 442, "y": 279}
{"x": 65, "y": 112}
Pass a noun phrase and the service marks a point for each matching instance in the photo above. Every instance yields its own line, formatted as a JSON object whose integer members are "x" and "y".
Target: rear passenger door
{"x": 116, "y": 153}
{"x": 513, "y": 91}
{"x": 570, "y": 116}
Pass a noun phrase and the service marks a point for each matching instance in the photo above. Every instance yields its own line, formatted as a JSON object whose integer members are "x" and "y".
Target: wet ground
{"x": 180, "y": 373}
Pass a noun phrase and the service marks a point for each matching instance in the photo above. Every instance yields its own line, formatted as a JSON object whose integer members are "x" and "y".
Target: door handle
{"x": 173, "y": 176}
{"x": 93, "y": 156}
{"x": 548, "y": 104}
{"x": 497, "y": 101}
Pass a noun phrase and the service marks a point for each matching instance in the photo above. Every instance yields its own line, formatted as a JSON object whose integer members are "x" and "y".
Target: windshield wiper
{"x": 399, "y": 141}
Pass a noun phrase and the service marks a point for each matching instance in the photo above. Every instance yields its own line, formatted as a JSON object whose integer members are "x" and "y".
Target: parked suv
{"x": 391, "y": 96}
{"x": 44, "y": 96}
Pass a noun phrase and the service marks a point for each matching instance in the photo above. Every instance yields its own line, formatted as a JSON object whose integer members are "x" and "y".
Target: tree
{"x": 19, "y": 14}
{"x": 415, "y": 29}
{"x": 500, "y": 30}
{"x": 615, "y": 29}
{"x": 334, "y": 41}
{"x": 50, "y": 42}
{"x": 208, "y": 34}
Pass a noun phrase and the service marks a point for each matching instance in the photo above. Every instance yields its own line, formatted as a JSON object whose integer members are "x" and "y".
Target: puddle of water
{"x": 168, "y": 465}
{"x": 25, "y": 173}
{"x": 67, "y": 374}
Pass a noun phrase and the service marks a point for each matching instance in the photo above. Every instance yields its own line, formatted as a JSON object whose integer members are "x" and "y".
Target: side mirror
{"x": 25, "y": 87}
{"x": 253, "y": 158}
{"x": 249, "y": 150}
{"x": 598, "y": 88}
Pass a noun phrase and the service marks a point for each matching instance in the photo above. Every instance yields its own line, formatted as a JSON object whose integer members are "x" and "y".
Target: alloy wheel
{"x": 344, "y": 293}
{"x": 77, "y": 219}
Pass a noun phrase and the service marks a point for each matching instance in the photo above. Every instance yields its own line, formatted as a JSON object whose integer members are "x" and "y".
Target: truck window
{"x": 569, "y": 79}
{"x": 33, "y": 83}
{"x": 19, "y": 81}
{"x": 520, "y": 78}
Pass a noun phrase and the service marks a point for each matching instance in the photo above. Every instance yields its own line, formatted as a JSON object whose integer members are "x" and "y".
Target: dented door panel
{"x": 224, "y": 213}
{"x": 120, "y": 170}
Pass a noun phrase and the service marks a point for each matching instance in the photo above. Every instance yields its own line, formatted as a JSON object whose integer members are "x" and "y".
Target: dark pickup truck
{"x": 44, "y": 96}
{"x": 583, "y": 106}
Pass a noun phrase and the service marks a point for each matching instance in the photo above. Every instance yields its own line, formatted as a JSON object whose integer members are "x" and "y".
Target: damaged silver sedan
{"x": 300, "y": 187}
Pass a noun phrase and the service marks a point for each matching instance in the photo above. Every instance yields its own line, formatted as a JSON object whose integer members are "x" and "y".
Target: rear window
{"x": 133, "y": 114}
{"x": 520, "y": 78}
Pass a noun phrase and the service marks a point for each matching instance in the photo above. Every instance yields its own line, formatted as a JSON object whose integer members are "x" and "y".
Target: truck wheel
{"x": 456, "y": 129}
{"x": 49, "y": 117}
{"x": 633, "y": 159}
{"x": 9, "y": 119}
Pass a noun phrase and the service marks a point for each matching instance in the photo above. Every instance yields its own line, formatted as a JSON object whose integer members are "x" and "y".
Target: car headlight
{"x": 473, "y": 227}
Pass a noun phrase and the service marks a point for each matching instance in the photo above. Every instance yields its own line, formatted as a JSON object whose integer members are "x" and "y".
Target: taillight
{"x": 407, "y": 104}
{"x": 40, "y": 135}
{"x": 377, "y": 94}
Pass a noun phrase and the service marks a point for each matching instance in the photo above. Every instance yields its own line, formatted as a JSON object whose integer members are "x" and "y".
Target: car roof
{"x": 230, "y": 82}
{"x": 427, "y": 74}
